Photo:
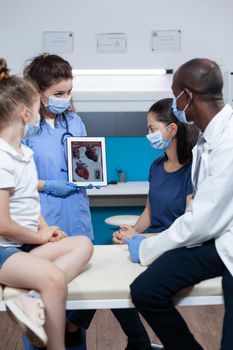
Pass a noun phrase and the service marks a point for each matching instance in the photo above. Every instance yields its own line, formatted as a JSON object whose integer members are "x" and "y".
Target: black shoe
{"x": 73, "y": 338}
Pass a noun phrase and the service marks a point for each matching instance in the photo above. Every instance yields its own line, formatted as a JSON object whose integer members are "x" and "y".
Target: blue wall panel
{"x": 133, "y": 155}
{"x": 103, "y": 232}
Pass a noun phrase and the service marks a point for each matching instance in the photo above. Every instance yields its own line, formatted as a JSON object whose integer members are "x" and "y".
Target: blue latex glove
{"x": 133, "y": 245}
{"x": 90, "y": 186}
{"x": 59, "y": 188}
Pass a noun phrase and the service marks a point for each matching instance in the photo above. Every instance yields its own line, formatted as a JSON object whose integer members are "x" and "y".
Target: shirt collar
{"x": 27, "y": 152}
{"x": 217, "y": 124}
{"x": 70, "y": 114}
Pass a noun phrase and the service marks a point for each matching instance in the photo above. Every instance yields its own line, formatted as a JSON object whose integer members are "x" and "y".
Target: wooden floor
{"x": 105, "y": 333}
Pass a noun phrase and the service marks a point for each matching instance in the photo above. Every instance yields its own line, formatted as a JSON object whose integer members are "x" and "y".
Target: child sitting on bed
{"x": 33, "y": 255}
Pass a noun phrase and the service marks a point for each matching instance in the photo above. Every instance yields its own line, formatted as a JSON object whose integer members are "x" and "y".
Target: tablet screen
{"x": 87, "y": 161}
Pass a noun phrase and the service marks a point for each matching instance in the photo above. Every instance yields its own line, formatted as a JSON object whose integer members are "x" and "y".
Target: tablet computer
{"x": 87, "y": 161}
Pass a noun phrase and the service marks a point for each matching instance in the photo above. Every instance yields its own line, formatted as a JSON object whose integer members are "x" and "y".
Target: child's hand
{"x": 57, "y": 235}
{"x": 45, "y": 233}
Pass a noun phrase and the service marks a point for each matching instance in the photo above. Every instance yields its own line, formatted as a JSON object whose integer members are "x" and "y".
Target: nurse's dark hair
{"x": 186, "y": 134}
{"x": 14, "y": 93}
{"x": 201, "y": 76}
{"x": 46, "y": 70}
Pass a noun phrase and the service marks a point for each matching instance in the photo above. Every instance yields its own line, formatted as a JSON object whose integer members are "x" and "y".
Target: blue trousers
{"x": 153, "y": 291}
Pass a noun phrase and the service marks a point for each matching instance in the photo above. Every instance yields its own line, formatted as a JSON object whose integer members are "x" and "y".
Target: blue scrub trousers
{"x": 153, "y": 291}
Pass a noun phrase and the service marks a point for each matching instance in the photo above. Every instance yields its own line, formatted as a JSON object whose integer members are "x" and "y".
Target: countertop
{"x": 130, "y": 188}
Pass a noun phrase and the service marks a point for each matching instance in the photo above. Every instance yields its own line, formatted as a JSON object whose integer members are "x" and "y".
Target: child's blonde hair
{"x": 14, "y": 92}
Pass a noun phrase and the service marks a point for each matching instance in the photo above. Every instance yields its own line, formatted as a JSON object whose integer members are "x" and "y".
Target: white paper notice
{"x": 165, "y": 40}
{"x": 111, "y": 43}
{"x": 59, "y": 42}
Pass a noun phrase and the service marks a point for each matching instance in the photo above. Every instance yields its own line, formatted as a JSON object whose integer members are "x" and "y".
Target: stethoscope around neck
{"x": 64, "y": 137}
{"x": 66, "y": 134}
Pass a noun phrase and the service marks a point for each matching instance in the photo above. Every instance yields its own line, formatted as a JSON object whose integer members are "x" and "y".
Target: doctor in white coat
{"x": 199, "y": 244}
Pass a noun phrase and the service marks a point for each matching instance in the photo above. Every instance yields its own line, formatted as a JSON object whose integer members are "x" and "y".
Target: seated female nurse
{"x": 170, "y": 187}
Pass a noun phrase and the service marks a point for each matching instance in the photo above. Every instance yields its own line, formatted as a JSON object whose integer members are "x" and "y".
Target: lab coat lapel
{"x": 211, "y": 134}
{"x": 217, "y": 126}
{"x": 220, "y": 122}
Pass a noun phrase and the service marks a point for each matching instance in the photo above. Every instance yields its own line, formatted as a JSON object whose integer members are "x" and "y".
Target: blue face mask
{"x": 57, "y": 105}
{"x": 32, "y": 129}
{"x": 157, "y": 142}
{"x": 180, "y": 115}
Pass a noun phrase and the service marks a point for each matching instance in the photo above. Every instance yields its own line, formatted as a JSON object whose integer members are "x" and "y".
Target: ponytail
{"x": 187, "y": 134}
{"x": 14, "y": 92}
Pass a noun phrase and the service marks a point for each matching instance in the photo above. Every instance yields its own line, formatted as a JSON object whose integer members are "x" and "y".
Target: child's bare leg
{"x": 71, "y": 254}
{"x": 23, "y": 270}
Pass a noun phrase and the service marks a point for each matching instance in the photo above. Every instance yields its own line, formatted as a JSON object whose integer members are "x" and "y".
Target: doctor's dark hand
{"x": 59, "y": 188}
{"x": 134, "y": 245}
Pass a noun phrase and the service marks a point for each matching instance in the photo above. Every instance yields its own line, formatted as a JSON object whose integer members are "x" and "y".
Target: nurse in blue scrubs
{"x": 62, "y": 203}
{"x": 170, "y": 187}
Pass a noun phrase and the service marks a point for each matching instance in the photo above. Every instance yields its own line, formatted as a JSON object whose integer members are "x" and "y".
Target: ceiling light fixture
{"x": 79, "y": 72}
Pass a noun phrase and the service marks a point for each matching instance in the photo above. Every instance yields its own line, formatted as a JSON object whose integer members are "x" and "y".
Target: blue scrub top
{"x": 167, "y": 194}
{"x": 72, "y": 213}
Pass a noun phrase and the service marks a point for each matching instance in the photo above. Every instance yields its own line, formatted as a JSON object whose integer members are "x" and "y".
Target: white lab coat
{"x": 210, "y": 214}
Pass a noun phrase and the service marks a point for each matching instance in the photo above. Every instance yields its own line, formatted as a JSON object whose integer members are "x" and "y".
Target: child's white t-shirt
{"x": 18, "y": 173}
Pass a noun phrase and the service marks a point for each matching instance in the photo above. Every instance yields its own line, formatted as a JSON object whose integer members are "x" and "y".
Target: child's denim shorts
{"x": 6, "y": 252}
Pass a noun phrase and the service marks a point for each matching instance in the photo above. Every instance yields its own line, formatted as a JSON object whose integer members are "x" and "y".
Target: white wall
{"x": 206, "y": 27}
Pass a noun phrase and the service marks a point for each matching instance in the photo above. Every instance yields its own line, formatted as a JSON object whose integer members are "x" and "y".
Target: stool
{"x": 119, "y": 220}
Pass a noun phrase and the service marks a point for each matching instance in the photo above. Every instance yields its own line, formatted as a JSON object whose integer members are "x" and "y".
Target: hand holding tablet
{"x": 87, "y": 161}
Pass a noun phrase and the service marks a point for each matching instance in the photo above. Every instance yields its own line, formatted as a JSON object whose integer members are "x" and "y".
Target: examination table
{"x": 104, "y": 283}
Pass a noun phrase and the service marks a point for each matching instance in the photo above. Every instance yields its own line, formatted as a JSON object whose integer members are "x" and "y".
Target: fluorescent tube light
{"x": 121, "y": 71}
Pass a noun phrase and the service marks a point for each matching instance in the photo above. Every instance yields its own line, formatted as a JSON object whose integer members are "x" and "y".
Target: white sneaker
{"x": 29, "y": 313}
